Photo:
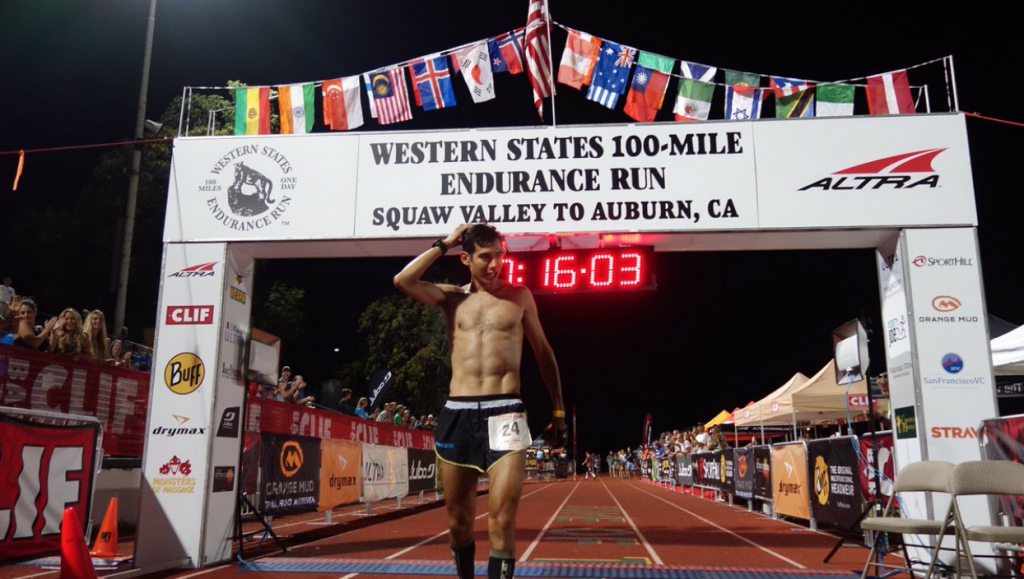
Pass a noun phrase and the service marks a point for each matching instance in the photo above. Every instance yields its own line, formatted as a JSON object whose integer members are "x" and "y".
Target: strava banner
{"x": 763, "y": 472}
{"x": 789, "y": 467}
{"x": 385, "y": 473}
{"x": 883, "y": 442}
{"x": 119, "y": 399}
{"x": 684, "y": 470}
{"x": 837, "y": 496}
{"x": 340, "y": 467}
{"x": 745, "y": 472}
{"x": 421, "y": 470}
{"x": 291, "y": 474}
{"x": 291, "y": 419}
{"x": 43, "y": 469}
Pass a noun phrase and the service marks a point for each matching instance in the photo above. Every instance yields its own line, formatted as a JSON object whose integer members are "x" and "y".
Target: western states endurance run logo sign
{"x": 249, "y": 188}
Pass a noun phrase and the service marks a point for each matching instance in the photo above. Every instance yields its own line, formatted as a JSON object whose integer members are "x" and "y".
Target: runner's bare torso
{"x": 485, "y": 330}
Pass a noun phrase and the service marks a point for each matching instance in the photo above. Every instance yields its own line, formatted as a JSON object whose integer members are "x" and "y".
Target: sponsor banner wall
{"x": 118, "y": 398}
{"x": 684, "y": 469}
{"x": 284, "y": 418}
{"x": 235, "y": 304}
{"x": 183, "y": 391}
{"x": 385, "y": 473}
{"x": 422, "y": 469}
{"x": 666, "y": 470}
{"x": 789, "y": 473}
{"x": 893, "y": 171}
{"x": 43, "y": 470}
{"x": 884, "y": 446}
{"x": 763, "y": 472}
{"x": 291, "y": 474}
{"x": 906, "y": 171}
{"x": 837, "y": 499}
{"x": 341, "y": 482}
{"x": 954, "y": 362}
{"x": 745, "y": 472}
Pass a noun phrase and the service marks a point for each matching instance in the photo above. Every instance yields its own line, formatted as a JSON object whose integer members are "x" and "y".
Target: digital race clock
{"x": 577, "y": 271}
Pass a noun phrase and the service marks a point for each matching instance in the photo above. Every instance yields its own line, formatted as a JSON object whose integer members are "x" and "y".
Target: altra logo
{"x": 189, "y": 315}
{"x": 896, "y": 172}
{"x": 946, "y": 304}
{"x": 201, "y": 270}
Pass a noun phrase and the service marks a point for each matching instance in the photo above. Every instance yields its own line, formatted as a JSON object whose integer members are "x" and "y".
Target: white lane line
{"x": 533, "y": 545}
{"x": 437, "y": 536}
{"x": 39, "y": 574}
{"x": 654, "y": 556}
{"x": 721, "y": 528}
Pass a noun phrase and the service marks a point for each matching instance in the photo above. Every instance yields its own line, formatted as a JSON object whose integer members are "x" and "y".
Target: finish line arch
{"x": 901, "y": 185}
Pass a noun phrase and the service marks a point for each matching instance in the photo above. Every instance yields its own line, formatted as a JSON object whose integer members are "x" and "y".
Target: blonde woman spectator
{"x": 26, "y": 334}
{"x": 96, "y": 327}
{"x": 361, "y": 406}
{"x": 69, "y": 338}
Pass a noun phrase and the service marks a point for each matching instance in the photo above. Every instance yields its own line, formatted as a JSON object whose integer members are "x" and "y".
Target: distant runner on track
{"x": 483, "y": 427}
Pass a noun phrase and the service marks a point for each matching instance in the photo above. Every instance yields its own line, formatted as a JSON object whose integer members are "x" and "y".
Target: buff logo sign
{"x": 904, "y": 171}
{"x": 184, "y": 373}
{"x": 257, "y": 181}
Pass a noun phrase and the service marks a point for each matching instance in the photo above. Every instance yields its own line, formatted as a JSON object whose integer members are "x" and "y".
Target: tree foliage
{"x": 281, "y": 311}
{"x": 409, "y": 339}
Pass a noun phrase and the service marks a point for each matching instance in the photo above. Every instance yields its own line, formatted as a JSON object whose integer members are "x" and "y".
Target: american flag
{"x": 390, "y": 95}
{"x": 538, "y": 54}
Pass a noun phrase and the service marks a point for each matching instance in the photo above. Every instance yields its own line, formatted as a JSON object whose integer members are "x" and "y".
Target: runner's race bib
{"x": 509, "y": 432}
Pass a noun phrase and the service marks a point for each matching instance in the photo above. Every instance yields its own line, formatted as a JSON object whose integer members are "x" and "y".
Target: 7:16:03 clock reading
{"x": 578, "y": 271}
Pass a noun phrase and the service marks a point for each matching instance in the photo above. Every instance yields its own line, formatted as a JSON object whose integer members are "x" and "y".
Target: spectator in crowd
{"x": 399, "y": 417}
{"x": 297, "y": 392}
{"x": 420, "y": 422}
{"x": 69, "y": 337}
{"x": 96, "y": 328}
{"x": 361, "y": 407}
{"x": 119, "y": 358}
{"x": 7, "y": 292}
{"x": 345, "y": 405}
{"x": 122, "y": 334}
{"x": 27, "y": 336}
{"x": 753, "y": 442}
{"x": 387, "y": 413}
{"x": 375, "y": 415}
{"x": 407, "y": 418}
{"x": 430, "y": 424}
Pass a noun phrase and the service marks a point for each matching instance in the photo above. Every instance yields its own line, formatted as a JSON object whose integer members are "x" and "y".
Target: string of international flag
{"x": 608, "y": 70}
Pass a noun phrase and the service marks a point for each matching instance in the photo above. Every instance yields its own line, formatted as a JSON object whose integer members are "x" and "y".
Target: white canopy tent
{"x": 1008, "y": 353}
{"x": 751, "y": 415}
{"x": 817, "y": 400}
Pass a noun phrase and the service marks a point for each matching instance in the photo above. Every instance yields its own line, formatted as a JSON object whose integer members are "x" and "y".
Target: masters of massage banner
{"x": 813, "y": 173}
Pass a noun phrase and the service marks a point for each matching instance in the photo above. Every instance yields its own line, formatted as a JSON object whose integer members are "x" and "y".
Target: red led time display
{"x": 577, "y": 271}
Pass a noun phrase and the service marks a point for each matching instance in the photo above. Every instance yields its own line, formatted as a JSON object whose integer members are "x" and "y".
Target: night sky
{"x": 722, "y": 329}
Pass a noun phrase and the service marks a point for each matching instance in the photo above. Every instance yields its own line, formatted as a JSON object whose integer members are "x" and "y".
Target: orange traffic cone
{"x": 106, "y": 542}
{"x": 75, "y": 562}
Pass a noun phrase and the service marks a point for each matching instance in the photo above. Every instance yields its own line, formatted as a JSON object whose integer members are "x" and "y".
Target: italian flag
{"x": 295, "y": 104}
{"x": 835, "y": 100}
{"x": 252, "y": 111}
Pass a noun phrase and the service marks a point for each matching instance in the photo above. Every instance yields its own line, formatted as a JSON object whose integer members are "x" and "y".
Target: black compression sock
{"x": 502, "y": 565}
{"x": 464, "y": 563}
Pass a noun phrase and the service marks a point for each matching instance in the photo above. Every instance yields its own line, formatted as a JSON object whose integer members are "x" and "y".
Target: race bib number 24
{"x": 509, "y": 432}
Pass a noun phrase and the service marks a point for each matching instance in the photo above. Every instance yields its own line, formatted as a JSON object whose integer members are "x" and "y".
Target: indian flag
{"x": 295, "y": 103}
{"x": 835, "y": 100}
{"x": 252, "y": 111}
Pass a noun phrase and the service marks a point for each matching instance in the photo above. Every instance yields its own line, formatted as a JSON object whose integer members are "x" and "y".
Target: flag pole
{"x": 551, "y": 65}
{"x": 952, "y": 74}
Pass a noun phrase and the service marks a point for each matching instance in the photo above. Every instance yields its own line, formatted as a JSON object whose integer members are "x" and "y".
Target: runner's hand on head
{"x": 455, "y": 239}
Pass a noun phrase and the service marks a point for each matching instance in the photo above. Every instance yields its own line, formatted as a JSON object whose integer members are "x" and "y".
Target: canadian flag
{"x": 889, "y": 94}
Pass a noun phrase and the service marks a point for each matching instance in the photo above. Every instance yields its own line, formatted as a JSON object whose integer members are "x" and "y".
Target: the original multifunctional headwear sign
{"x": 825, "y": 173}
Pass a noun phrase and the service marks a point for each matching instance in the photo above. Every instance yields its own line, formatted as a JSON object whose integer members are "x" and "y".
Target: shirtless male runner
{"x": 483, "y": 428}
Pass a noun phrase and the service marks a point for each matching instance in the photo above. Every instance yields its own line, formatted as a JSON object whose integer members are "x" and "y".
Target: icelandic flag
{"x": 433, "y": 83}
{"x": 611, "y": 74}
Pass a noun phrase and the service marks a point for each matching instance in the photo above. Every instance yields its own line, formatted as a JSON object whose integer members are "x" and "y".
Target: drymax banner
{"x": 789, "y": 470}
{"x": 385, "y": 473}
{"x": 340, "y": 479}
{"x": 851, "y": 172}
{"x": 43, "y": 470}
{"x": 118, "y": 398}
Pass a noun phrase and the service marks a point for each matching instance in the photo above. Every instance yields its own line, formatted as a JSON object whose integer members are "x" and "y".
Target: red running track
{"x": 603, "y": 521}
